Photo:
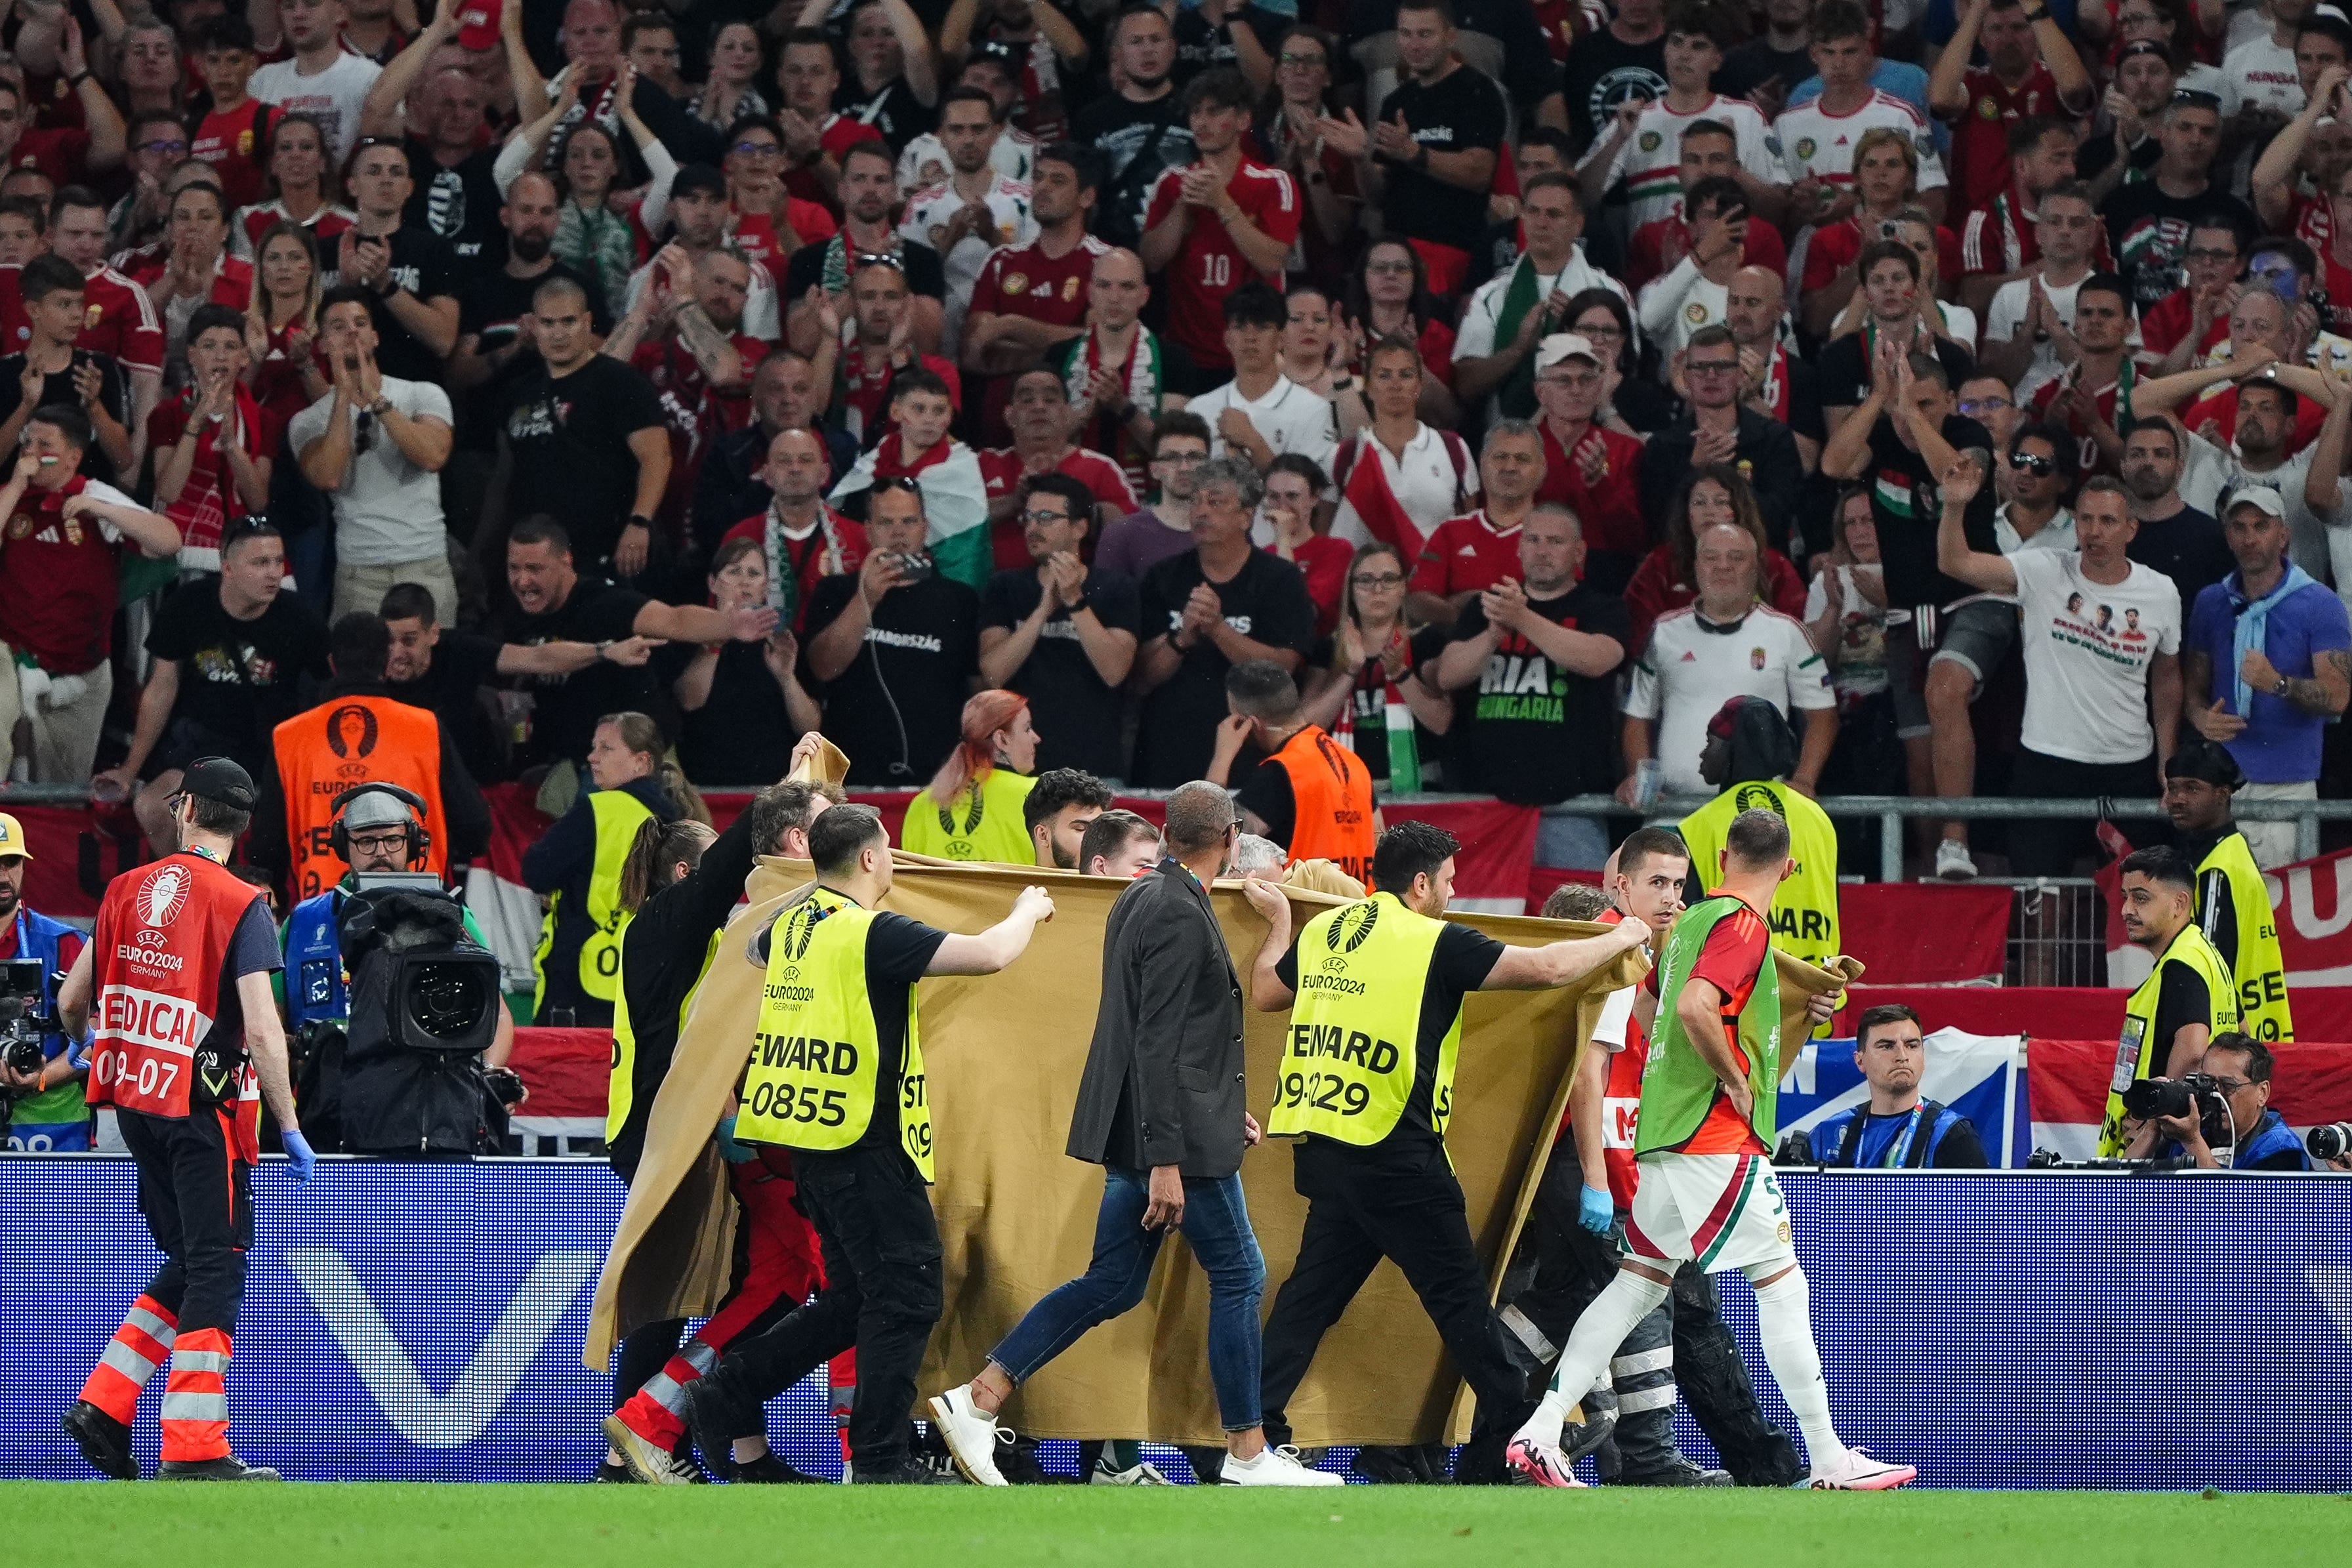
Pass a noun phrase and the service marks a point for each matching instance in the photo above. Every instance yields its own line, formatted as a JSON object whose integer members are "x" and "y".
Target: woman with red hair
{"x": 971, "y": 808}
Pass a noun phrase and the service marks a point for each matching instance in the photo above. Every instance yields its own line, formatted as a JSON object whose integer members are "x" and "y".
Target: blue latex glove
{"x": 1594, "y": 1211}
{"x": 299, "y": 1155}
{"x": 731, "y": 1152}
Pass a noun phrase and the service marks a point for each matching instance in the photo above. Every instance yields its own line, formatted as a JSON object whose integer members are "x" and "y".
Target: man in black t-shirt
{"x": 411, "y": 271}
{"x": 560, "y": 695}
{"x": 582, "y": 438}
{"x": 897, "y": 647}
{"x": 1060, "y": 632}
{"x": 1542, "y": 651}
{"x": 455, "y": 199}
{"x": 1775, "y": 60}
{"x": 53, "y": 296}
{"x": 1219, "y": 604}
{"x": 1433, "y": 149}
{"x": 2148, "y": 220}
{"x": 447, "y": 670}
{"x": 232, "y": 655}
{"x": 1618, "y": 63}
{"x": 1240, "y": 34}
{"x": 1140, "y": 126}
{"x": 495, "y": 348}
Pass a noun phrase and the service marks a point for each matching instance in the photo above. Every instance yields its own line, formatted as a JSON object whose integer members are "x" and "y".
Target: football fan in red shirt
{"x": 233, "y": 138}
{"x": 1041, "y": 418}
{"x": 2031, "y": 70}
{"x": 1212, "y": 225}
{"x": 814, "y": 135}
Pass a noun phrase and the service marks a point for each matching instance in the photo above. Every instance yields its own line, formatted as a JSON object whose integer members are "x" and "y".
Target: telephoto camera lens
{"x": 2150, "y": 1098}
{"x": 2328, "y": 1142}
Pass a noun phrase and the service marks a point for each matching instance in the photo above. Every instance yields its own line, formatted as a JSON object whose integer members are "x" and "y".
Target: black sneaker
{"x": 611, "y": 1475}
{"x": 769, "y": 1470}
{"x": 713, "y": 1417}
{"x": 1391, "y": 1465}
{"x": 1681, "y": 1473}
{"x": 103, "y": 1441}
{"x": 228, "y": 1468}
{"x": 905, "y": 1472}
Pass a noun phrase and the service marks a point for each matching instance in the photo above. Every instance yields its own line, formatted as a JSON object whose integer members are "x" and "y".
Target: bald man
{"x": 1779, "y": 383}
{"x": 1121, "y": 367}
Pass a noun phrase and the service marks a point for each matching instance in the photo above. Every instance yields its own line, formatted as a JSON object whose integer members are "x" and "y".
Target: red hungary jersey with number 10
{"x": 1209, "y": 265}
{"x": 159, "y": 951}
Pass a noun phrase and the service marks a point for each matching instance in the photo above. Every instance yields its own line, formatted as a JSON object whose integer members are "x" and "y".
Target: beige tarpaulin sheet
{"x": 1016, "y": 1215}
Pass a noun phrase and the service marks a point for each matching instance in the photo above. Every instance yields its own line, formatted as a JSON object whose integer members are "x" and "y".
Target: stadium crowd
{"x": 1524, "y": 381}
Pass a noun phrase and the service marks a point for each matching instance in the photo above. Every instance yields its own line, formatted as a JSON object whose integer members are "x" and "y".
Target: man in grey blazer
{"x": 1161, "y": 1111}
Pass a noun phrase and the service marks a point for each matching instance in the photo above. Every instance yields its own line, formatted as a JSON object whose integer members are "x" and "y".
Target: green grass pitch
{"x": 422, "y": 1526}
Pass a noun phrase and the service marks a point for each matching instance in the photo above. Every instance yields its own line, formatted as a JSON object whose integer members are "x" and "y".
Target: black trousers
{"x": 882, "y": 1295}
{"x": 196, "y": 1196}
{"x": 1405, "y": 1206}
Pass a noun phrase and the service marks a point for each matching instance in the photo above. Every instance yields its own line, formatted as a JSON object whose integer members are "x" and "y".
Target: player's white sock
{"x": 1784, "y": 1324}
{"x": 1603, "y": 1326}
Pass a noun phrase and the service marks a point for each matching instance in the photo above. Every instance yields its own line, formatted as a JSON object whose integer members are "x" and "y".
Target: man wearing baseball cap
{"x": 174, "y": 985}
{"x": 2229, "y": 902}
{"x": 2265, "y": 666}
{"x": 42, "y": 1111}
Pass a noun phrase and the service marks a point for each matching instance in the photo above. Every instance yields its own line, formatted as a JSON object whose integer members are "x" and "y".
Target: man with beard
{"x": 495, "y": 321}
{"x": 869, "y": 209}
{"x": 1058, "y": 809}
{"x": 455, "y": 197}
{"x": 734, "y": 483}
{"x": 699, "y": 215}
{"x": 1030, "y": 300}
{"x": 1139, "y": 128}
{"x": 685, "y": 336}
{"x": 2177, "y": 540}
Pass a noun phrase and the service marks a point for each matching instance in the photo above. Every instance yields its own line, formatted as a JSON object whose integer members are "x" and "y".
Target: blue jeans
{"x": 1216, "y": 1224}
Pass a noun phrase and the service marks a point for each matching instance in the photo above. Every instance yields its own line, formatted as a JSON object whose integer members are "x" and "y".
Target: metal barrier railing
{"x": 1890, "y": 811}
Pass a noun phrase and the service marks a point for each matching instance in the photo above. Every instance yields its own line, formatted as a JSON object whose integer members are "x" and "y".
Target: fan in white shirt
{"x": 1725, "y": 644}
{"x": 1397, "y": 477}
{"x": 1261, "y": 413}
{"x": 1644, "y": 147}
{"x": 1696, "y": 292}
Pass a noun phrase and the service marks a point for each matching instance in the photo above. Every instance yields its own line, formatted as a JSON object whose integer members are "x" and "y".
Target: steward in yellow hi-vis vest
{"x": 1749, "y": 751}
{"x": 971, "y": 808}
{"x": 2187, "y": 999}
{"x": 577, "y": 862}
{"x": 1375, "y": 991}
{"x": 2233, "y": 903}
{"x": 834, "y": 1073}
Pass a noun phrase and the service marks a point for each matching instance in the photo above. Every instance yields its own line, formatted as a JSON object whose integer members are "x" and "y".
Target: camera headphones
{"x": 339, "y": 835}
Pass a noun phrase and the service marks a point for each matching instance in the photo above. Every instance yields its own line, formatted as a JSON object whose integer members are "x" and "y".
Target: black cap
{"x": 698, "y": 179}
{"x": 2205, "y": 761}
{"x": 221, "y": 780}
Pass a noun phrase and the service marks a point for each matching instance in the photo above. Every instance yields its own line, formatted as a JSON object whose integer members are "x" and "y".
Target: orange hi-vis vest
{"x": 1332, "y": 803}
{"x": 324, "y": 753}
{"x": 159, "y": 952}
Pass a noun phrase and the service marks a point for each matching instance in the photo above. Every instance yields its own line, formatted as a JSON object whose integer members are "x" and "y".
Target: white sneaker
{"x": 1858, "y": 1472}
{"x": 1954, "y": 863}
{"x": 971, "y": 1434}
{"x": 1145, "y": 1474}
{"x": 651, "y": 1465}
{"x": 1275, "y": 1467}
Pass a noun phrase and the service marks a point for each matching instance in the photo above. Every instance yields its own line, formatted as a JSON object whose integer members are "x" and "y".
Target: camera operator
{"x": 2187, "y": 999}
{"x": 41, "y": 1109}
{"x": 1897, "y": 1130}
{"x": 377, "y": 829}
{"x": 2239, "y": 1070}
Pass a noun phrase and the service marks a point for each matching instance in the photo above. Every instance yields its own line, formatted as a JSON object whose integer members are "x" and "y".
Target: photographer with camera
{"x": 378, "y": 830}
{"x": 2189, "y": 996}
{"x": 41, "y": 1105}
{"x": 2226, "y": 1100}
